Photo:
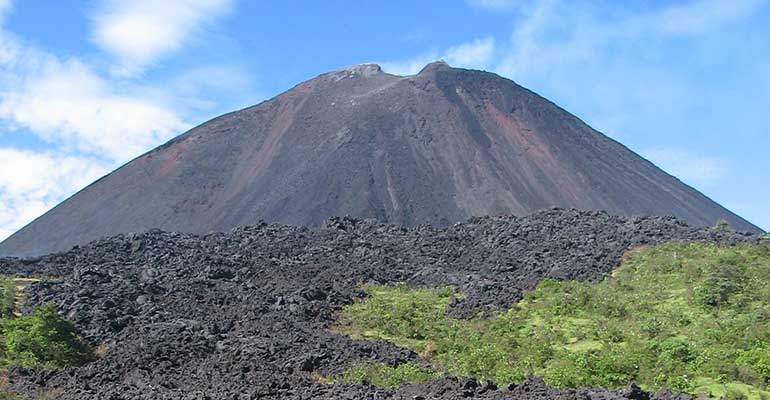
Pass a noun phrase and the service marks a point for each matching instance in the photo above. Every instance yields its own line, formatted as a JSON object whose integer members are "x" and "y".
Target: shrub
{"x": 722, "y": 226}
{"x": 720, "y": 283}
{"x": 757, "y": 359}
{"x": 734, "y": 394}
{"x": 41, "y": 340}
{"x": 677, "y": 349}
{"x": 7, "y": 297}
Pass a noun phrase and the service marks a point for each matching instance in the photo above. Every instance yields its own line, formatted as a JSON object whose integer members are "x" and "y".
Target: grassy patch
{"x": 7, "y": 296}
{"x": 407, "y": 317}
{"x": 690, "y": 317}
{"x": 49, "y": 395}
{"x": 383, "y": 375}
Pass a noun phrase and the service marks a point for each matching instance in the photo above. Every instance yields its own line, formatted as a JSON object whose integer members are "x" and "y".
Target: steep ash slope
{"x": 246, "y": 314}
{"x": 437, "y": 148}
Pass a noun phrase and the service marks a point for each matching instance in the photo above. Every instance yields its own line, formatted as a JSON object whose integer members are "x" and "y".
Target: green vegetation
{"x": 42, "y": 339}
{"x": 398, "y": 314}
{"x": 690, "y": 317}
{"x": 383, "y": 375}
{"x": 50, "y": 395}
{"x": 723, "y": 226}
{"x": 7, "y": 296}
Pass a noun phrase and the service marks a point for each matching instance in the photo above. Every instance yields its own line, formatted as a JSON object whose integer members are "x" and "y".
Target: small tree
{"x": 722, "y": 226}
{"x": 42, "y": 340}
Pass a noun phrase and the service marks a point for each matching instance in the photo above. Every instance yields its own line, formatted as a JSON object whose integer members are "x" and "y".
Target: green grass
{"x": 383, "y": 375}
{"x": 689, "y": 317}
{"x": 404, "y": 316}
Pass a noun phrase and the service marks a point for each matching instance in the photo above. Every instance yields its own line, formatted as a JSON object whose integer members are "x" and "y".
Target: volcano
{"x": 433, "y": 148}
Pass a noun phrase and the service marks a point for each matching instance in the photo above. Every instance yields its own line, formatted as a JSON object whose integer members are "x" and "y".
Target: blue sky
{"x": 87, "y": 85}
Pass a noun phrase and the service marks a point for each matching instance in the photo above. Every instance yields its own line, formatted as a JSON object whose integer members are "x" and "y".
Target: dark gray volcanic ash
{"x": 434, "y": 148}
{"x": 245, "y": 315}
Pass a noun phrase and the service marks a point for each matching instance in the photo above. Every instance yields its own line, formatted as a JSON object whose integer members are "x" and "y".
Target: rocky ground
{"x": 245, "y": 314}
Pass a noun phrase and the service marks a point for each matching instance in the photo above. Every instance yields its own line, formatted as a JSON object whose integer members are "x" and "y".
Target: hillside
{"x": 433, "y": 148}
{"x": 253, "y": 312}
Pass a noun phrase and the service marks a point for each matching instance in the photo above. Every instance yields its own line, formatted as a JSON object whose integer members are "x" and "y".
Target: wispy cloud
{"x": 700, "y": 16}
{"x": 650, "y": 74}
{"x": 139, "y": 32}
{"x": 409, "y": 66}
{"x": 495, "y": 5}
{"x": 475, "y": 54}
{"x": 94, "y": 120}
{"x": 67, "y": 104}
{"x": 94, "y": 125}
{"x": 478, "y": 53}
{"x": 198, "y": 86}
{"x": 616, "y": 60}
{"x": 694, "y": 169}
{"x": 5, "y": 6}
{"x": 33, "y": 182}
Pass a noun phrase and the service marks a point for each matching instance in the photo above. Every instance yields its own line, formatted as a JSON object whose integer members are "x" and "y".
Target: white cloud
{"x": 5, "y": 6}
{"x": 68, "y": 104}
{"x": 477, "y": 54}
{"x": 95, "y": 123}
{"x": 694, "y": 169}
{"x": 410, "y": 66}
{"x": 33, "y": 182}
{"x": 198, "y": 87}
{"x": 140, "y": 31}
{"x": 699, "y": 16}
{"x": 95, "y": 120}
{"x": 551, "y": 34}
{"x": 607, "y": 66}
{"x": 648, "y": 74}
{"x": 495, "y": 5}
{"x": 616, "y": 60}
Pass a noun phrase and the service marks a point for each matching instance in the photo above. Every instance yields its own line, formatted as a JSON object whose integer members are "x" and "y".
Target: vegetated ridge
{"x": 251, "y": 313}
{"x": 433, "y": 148}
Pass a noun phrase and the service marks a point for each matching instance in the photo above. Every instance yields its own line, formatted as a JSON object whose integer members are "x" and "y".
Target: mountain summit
{"x": 432, "y": 148}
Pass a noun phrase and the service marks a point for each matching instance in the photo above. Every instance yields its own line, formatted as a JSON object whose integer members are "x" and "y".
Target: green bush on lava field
{"x": 693, "y": 318}
{"x": 42, "y": 339}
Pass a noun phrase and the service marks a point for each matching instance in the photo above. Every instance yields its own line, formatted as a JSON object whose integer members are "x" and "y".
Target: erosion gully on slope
{"x": 245, "y": 314}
